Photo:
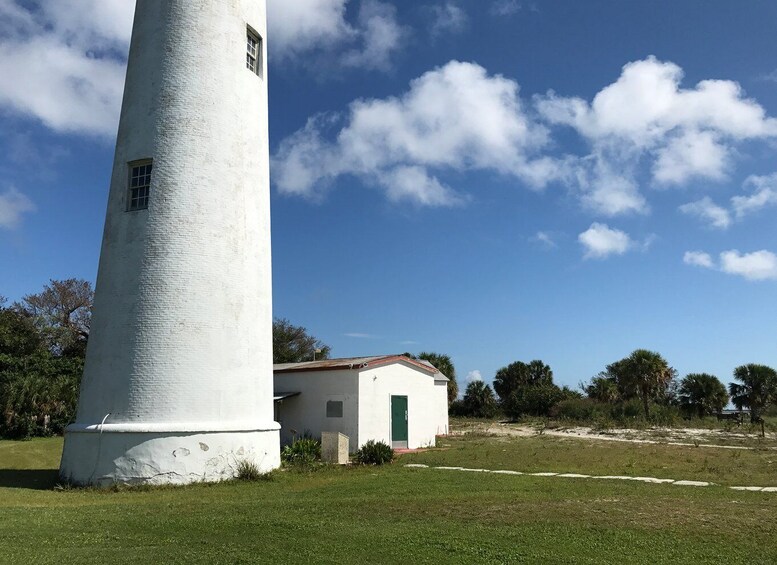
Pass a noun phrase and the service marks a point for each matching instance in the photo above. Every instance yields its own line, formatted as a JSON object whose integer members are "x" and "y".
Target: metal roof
{"x": 357, "y": 363}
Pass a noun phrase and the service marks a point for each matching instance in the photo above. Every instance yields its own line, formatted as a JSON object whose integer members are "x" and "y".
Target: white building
{"x": 400, "y": 401}
{"x": 178, "y": 379}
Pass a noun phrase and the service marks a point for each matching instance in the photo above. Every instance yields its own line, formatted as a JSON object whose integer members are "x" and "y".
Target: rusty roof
{"x": 356, "y": 363}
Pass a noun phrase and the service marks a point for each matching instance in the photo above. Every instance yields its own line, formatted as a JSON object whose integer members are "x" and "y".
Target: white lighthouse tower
{"x": 178, "y": 380}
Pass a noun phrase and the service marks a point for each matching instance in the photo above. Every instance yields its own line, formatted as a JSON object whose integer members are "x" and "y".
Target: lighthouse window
{"x": 140, "y": 185}
{"x": 254, "y": 52}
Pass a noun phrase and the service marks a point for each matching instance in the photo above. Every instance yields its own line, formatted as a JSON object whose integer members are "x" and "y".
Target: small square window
{"x": 253, "y": 52}
{"x": 334, "y": 409}
{"x": 140, "y": 186}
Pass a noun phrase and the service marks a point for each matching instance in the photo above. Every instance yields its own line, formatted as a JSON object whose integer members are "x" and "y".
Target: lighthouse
{"x": 177, "y": 385}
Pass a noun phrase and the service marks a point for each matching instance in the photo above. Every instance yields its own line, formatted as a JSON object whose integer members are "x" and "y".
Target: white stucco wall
{"x": 182, "y": 324}
{"x": 307, "y": 412}
{"x": 425, "y": 404}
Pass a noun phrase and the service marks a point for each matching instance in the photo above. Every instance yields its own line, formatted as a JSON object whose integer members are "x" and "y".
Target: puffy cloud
{"x": 646, "y": 115}
{"x": 300, "y": 28}
{"x": 453, "y": 118}
{"x": 698, "y": 259}
{"x": 764, "y": 193}
{"x": 707, "y": 210}
{"x": 756, "y": 266}
{"x": 13, "y": 205}
{"x": 67, "y": 59}
{"x": 448, "y": 19}
{"x": 472, "y": 376}
{"x": 504, "y": 8}
{"x": 600, "y": 241}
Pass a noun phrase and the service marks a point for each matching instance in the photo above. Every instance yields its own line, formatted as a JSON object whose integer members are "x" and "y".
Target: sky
{"x": 497, "y": 180}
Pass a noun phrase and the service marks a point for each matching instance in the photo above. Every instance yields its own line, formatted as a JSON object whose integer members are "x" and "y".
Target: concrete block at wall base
{"x": 334, "y": 448}
{"x": 157, "y": 457}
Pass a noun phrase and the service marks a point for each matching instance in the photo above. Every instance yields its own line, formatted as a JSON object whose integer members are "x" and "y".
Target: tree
{"x": 757, "y": 391}
{"x": 516, "y": 375}
{"x": 702, "y": 394}
{"x": 62, "y": 312}
{"x": 643, "y": 374}
{"x": 293, "y": 344}
{"x": 479, "y": 401}
{"x": 532, "y": 400}
{"x": 602, "y": 389}
{"x": 444, "y": 364}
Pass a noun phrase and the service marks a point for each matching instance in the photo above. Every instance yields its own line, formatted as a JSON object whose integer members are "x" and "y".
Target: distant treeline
{"x": 641, "y": 386}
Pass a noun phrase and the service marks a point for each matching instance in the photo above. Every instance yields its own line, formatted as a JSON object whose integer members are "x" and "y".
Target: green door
{"x": 399, "y": 421}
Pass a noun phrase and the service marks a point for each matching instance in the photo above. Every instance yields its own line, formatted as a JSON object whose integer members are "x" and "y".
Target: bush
{"x": 303, "y": 451}
{"x": 374, "y": 453}
{"x": 581, "y": 410}
{"x": 248, "y": 471}
{"x": 536, "y": 400}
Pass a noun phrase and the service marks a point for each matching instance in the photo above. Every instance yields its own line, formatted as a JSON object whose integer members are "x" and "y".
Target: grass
{"x": 395, "y": 514}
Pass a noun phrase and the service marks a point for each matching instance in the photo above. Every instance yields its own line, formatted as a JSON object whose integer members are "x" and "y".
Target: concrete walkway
{"x": 651, "y": 480}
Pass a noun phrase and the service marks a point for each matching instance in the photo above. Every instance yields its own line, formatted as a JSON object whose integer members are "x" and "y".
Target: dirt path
{"x": 688, "y": 437}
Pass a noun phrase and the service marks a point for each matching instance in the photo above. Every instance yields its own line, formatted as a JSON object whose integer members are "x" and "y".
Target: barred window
{"x": 140, "y": 185}
{"x": 254, "y": 52}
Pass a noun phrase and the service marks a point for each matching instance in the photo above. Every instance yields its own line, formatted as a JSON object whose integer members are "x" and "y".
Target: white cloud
{"x": 504, "y": 7}
{"x": 693, "y": 153}
{"x": 300, "y": 29}
{"x": 545, "y": 238}
{"x": 359, "y": 335}
{"x": 707, "y": 210}
{"x": 756, "y": 266}
{"x": 453, "y": 118}
{"x": 13, "y": 205}
{"x": 472, "y": 376}
{"x": 764, "y": 193}
{"x": 646, "y": 116}
{"x": 449, "y": 19}
{"x": 67, "y": 61}
{"x": 698, "y": 259}
{"x": 600, "y": 241}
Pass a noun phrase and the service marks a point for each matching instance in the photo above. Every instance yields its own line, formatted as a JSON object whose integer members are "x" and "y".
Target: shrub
{"x": 374, "y": 453}
{"x": 581, "y": 410}
{"x": 303, "y": 451}
{"x": 248, "y": 471}
{"x": 536, "y": 400}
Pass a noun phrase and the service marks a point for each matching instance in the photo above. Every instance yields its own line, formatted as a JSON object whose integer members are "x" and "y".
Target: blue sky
{"x": 493, "y": 179}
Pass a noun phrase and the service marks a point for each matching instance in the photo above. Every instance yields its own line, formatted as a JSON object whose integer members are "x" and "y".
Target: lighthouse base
{"x": 156, "y": 454}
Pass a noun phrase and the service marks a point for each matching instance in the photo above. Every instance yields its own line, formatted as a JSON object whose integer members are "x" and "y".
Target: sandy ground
{"x": 693, "y": 437}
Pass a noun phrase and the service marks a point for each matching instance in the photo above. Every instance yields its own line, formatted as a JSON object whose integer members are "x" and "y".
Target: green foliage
{"x": 479, "y": 401}
{"x": 536, "y": 400}
{"x": 702, "y": 395}
{"x": 248, "y": 471}
{"x": 444, "y": 364}
{"x": 302, "y": 452}
{"x": 293, "y": 344}
{"x": 38, "y": 384}
{"x": 517, "y": 375}
{"x": 374, "y": 453}
{"x": 757, "y": 391}
{"x": 602, "y": 389}
{"x": 643, "y": 374}
{"x": 581, "y": 410}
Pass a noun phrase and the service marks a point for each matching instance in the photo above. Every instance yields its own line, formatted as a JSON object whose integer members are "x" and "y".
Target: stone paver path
{"x": 651, "y": 480}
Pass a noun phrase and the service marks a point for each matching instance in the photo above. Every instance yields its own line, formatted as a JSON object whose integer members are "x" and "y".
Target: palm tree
{"x": 648, "y": 374}
{"x": 479, "y": 400}
{"x": 443, "y": 364}
{"x": 702, "y": 394}
{"x": 757, "y": 391}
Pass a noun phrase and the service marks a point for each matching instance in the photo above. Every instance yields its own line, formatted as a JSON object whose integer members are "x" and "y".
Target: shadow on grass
{"x": 36, "y": 479}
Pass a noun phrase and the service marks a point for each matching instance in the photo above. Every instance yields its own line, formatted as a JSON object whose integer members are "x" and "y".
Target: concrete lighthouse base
{"x": 108, "y": 454}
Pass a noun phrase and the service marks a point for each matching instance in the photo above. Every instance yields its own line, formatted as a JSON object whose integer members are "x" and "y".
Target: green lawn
{"x": 400, "y": 515}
